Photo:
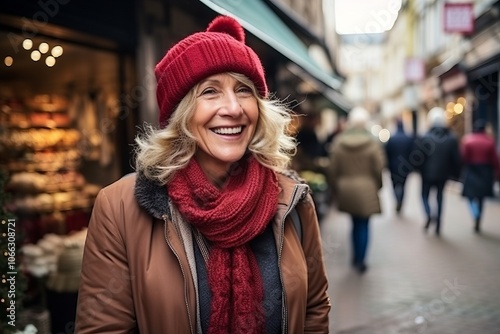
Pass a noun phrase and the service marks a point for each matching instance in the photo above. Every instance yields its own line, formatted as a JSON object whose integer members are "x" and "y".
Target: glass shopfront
{"x": 61, "y": 139}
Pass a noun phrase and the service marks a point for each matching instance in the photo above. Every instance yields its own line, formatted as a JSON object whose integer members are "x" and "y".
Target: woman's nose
{"x": 231, "y": 105}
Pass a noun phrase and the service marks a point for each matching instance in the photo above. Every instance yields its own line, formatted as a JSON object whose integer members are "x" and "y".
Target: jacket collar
{"x": 153, "y": 197}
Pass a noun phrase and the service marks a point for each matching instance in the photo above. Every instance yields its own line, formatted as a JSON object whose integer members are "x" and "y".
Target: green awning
{"x": 261, "y": 21}
{"x": 338, "y": 101}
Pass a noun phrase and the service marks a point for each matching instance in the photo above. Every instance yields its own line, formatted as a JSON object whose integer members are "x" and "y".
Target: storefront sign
{"x": 458, "y": 18}
{"x": 414, "y": 70}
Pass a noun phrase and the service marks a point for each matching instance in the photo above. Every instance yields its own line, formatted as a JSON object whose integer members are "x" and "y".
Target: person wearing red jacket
{"x": 481, "y": 166}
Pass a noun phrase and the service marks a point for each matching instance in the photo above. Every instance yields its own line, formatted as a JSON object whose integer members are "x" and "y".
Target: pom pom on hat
{"x": 221, "y": 48}
{"x": 229, "y": 26}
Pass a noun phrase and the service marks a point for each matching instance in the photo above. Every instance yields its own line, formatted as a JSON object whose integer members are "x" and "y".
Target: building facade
{"x": 426, "y": 63}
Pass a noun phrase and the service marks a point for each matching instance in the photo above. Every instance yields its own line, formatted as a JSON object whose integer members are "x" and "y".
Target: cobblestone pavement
{"x": 416, "y": 282}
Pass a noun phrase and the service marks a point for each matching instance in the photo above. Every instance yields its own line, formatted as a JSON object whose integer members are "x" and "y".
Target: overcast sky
{"x": 365, "y": 16}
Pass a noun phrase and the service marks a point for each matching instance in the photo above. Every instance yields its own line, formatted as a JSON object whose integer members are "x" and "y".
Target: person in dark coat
{"x": 309, "y": 147}
{"x": 481, "y": 166}
{"x": 441, "y": 161}
{"x": 398, "y": 149}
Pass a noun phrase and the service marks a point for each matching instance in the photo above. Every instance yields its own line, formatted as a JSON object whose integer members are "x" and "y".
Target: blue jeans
{"x": 359, "y": 239}
{"x": 398, "y": 185}
{"x": 476, "y": 207}
{"x": 426, "y": 189}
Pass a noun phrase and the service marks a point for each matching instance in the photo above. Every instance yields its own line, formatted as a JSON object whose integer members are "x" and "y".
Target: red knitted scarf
{"x": 229, "y": 218}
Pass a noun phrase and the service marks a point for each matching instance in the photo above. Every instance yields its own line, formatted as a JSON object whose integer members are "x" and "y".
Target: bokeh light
{"x": 44, "y": 48}
{"x": 50, "y": 61}
{"x": 384, "y": 135}
{"x": 36, "y": 55}
{"x": 8, "y": 61}
{"x": 57, "y": 51}
{"x": 27, "y": 44}
{"x": 375, "y": 130}
{"x": 458, "y": 108}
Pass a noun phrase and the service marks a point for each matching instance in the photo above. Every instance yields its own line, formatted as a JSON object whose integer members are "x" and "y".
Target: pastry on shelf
{"x": 40, "y": 139}
{"x": 47, "y": 103}
{"x": 34, "y": 204}
{"x": 19, "y": 119}
{"x": 28, "y": 182}
{"x": 50, "y": 120}
{"x": 63, "y": 200}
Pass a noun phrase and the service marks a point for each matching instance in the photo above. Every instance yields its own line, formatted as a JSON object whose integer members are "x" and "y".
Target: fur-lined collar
{"x": 151, "y": 196}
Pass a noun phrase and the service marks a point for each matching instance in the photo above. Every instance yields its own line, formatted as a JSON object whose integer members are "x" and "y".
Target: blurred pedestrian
{"x": 481, "y": 167}
{"x": 357, "y": 161}
{"x": 331, "y": 137}
{"x": 200, "y": 239}
{"x": 398, "y": 149}
{"x": 441, "y": 162}
{"x": 309, "y": 147}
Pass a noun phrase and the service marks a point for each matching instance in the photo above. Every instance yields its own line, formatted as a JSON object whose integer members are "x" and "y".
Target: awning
{"x": 261, "y": 21}
{"x": 333, "y": 96}
{"x": 452, "y": 63}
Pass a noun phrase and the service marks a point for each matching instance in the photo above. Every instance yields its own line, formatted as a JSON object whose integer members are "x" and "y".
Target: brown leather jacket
{"x": 138, "y": 277}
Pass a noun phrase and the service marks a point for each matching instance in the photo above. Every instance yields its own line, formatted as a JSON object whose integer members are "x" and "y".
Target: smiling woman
{"x": 201, "y": 237}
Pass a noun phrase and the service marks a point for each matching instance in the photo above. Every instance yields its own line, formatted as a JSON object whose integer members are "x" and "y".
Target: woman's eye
{"x": 208, "y": 91}
{"x": 244, "y": 89}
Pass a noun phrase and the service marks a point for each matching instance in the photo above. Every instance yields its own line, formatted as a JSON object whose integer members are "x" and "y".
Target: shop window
{"x": 59, "y": 114}
{"x": 58, "y": 109}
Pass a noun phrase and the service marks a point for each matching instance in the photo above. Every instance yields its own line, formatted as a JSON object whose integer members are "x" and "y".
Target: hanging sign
{"x": 458, "y": 17}
{"x": 414, "y": 69}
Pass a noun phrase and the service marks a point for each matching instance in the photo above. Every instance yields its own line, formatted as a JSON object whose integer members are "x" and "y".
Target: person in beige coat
{"x": 204, "y": 238}
{"x": 356, "y": 163}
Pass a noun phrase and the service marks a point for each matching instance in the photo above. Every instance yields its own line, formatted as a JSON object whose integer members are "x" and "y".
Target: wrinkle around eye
{"x": 244, "y": 92}
{"x": 207, "y": 92}
{"x": 243, "y": 88}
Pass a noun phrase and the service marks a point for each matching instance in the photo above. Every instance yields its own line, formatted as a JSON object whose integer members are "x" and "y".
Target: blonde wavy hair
{"x": 159, "y": 153}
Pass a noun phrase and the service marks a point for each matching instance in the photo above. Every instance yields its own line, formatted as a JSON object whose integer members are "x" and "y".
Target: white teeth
{"x": 228, "y": 131}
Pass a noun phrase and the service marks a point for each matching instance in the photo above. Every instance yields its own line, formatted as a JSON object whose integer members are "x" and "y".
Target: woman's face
{"x": 223, "y": 123}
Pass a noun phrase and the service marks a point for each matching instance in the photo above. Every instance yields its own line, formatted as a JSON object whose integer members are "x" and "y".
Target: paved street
{"x": 417, "y": 282}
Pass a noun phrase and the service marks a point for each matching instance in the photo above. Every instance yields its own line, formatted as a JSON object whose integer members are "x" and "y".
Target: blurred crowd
{"x": 346, "y": 168}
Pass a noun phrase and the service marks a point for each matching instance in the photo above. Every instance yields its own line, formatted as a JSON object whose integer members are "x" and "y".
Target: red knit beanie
{"x": 219, "y": 49}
